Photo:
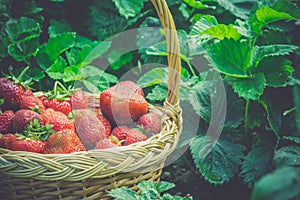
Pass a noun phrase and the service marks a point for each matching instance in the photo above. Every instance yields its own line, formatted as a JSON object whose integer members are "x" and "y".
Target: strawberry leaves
{"x": 217, "y": 161}
{"x": 149, "y": 190}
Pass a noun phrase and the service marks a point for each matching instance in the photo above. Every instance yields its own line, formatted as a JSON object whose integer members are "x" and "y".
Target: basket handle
{"x": 174, "y": 61}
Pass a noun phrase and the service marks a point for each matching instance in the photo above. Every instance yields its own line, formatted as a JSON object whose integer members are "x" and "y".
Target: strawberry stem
{"x": 22, "y": 74}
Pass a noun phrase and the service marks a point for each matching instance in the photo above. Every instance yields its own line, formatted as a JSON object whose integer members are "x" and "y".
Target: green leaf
{"x": 277, "y": 70}
{"x": 268, "y": 15}
{"x": 259, "y": 160}
{"x": 148, "y": 33}
{"x": 217, "y": 161}
{"x": 123, "y": 194}
{"x": 158, "y": 93}
{"x": 160, "y": 49}
{"x": 36, "y": 74}
{"x": 222, "y": 31}
{"x": 129, "y": 8}
{"x": 200, "y": 99}
{"x": 22, "y": 29}
{"x": 287, "y": 156}
{"x": 239, "y": 12}
{"x": 283, "y": 183}
{"x": 96, "y": 52}
{"x": 56, "y": 71}
{"x": 117, "y": 59}
{"x": 270, "y": 11}
{"x": 261, "y": 52}
{"x": 76, "y": 56}
{"x": 50, "y": 51}
{"x": 204, "y": 23}
{"x": 230, "y": 57}
{"x": 4, "y": 42}
{"x": 90, "y": 71}
{"x": 297, "y": 103}
{"x": 235, "y": 109}
{"x": 104, "y": 20}
{"x": 292, "y": 139}
{"x": 153, "y": 77}
{"x": 91, "y": 87}
{"x": 149, "y": 194}
{"x": 257, "y": 115}
{"x": 72, "y": 74}
{"x": 57, "y": 27}
{"x": 157, "y": 186}
{"x": 274, "y": 113}
{"x": 249, "y": 88}
{"x": 20, "y": 50}
{"x": 197, "y": 4}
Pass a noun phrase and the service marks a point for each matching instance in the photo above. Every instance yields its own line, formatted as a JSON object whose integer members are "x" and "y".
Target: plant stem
{"x": 246, "y": 120}
{"x": 22, "y": 73}
{"x": 185, "y": 59}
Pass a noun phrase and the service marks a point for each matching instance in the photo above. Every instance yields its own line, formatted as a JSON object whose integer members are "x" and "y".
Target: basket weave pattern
{"x": 90, "y": 174}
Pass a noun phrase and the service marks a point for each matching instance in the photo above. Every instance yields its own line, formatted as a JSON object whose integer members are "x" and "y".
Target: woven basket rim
{"x": 154, "y": 150}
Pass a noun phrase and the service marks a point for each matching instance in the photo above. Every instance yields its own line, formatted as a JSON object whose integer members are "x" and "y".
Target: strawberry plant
{"x": 240, "y": 87}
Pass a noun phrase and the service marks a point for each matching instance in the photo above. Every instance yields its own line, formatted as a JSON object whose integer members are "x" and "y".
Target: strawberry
{"x": 6, "y": 121}
{"x": 22, "y": 119}
{"x": 133, "y": 136}
{"x": 63, "y": 141}
{"x": 105, "y": 144}
{"x": 88, "y": 127}
{"x": 123, "y": 103}
{"x": 32, "y": 103}
{"x": 12, "y": 89}
{"x": 120, "y": 132}
{"x": 150, "y": 122}
{"x": 105, "y": 122}
{"x": 58, "y": 105}
{"x": 79, "y": 100}
{"x": 11, "y": 93}
{"x": 30, "y": 145}
{"x": 6, "y": 140}
{"x": 58, "y": 119}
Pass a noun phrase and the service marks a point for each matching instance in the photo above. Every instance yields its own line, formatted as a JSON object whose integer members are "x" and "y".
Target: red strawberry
{"x": 64, "y": 141}
{"x": 58, "y": 119}
{"x": 6, "y": 140}
{"x": 134, "y": 136}
{"x": 6, "y": 121}
{"x": 22, "y": 119}
{"x": 32, "y": 103}
{"x": 123, "y": 103}
{"x": 105, "y": 144}
{"x": 28, "y": 92}
{"x": 89, "y": 128}
{"x": 105, "y": 122}
{"x": 11, "y": 93}
{"x": 150, "y": 122}
{"x": 120, "y": 132}
{"x": 63, "y": 106}
{"x": 79, "y": 100}
{"x": 36, "y": 146}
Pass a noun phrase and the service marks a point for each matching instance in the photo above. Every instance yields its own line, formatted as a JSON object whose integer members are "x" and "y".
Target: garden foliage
{"x": 251, "y": 47}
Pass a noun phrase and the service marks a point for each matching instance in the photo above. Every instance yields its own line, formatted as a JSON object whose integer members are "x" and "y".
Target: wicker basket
{"x": 91, "y": 174}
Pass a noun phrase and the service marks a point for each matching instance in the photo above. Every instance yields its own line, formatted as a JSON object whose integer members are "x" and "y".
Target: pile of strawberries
{"x": 43, "y": 124}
